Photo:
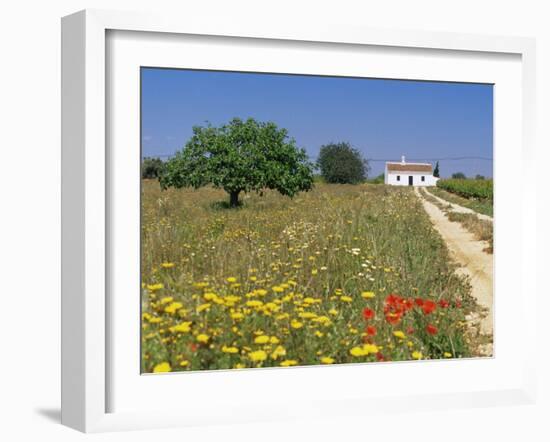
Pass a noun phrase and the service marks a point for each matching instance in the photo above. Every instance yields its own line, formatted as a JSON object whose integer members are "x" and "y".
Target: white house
{"x": 409, "y": 174}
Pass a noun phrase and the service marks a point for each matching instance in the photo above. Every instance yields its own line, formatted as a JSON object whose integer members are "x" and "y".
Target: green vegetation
{"x": 436, "y": 170}
{"x": 458, "y": 176}
{"x": 151, "y": 168}
{"x": 241, "y": 156}
{"x": 377, "y": 180}
{"x": 343, "y": 273}
{"x": 340, "y": 163}
{"x": 474, "y": 194}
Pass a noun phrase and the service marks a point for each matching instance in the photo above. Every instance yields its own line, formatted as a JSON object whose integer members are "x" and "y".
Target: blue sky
{"x": 384, "y": 119}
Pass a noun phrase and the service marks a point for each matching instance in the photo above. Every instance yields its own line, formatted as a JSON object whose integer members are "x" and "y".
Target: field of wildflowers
{"x": 339, "y": 274}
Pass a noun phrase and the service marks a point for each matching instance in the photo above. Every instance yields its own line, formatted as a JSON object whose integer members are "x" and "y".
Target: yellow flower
{"x": 253, "y": 278}
{"x": 296, "y": 324}
{"x": 203, "y": 338}
{"x": 357, "y": 351}
{"x": 173, "y": 307}
{"x": 289, "y": 362}
{"x": 279, "y": 351}
{"x": 325, "y": 320}
{"x": 263, "y": 339}
{"x": 258, "y": 355}
{"x": 232, "y": 350}
{"x": 447, "y": 354}
{"x": 231, "y": 279}
{"x": 371, "y": 348}
{"x": 183, "y": 327}
{"x": 307, "y": 315}
{"x": 237, "y": 315}
{"x": 155, "y": 287}
{"x": 327, "y": 360}
{"x": 274, "y": 340}
{"x": 203, "y": 307}
{"x": 261, "y": 292}
{"x": 399, "y": 334}
{"x": 318, "y": 334}
{"x": 163, "y": 367}
{"x": 210, "y": 296}
{"x": 416, "y": 355}
{"x": 278, "y": 289}
{"x": 254, "y": 303}
{"x": 238, "y": 365}
{"x": 166, "y": 300}
{"x": 167, "y": 265}
{"x": 184, "y": 363}
{"x": 333, "y": 312}
{"x": 368, "y": 295}
{"x": 314, "y": 272}
{"x": 364, "y": 350}
{"x": 346, "y": 298}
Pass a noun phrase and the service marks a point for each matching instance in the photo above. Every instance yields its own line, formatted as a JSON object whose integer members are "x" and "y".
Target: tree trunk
{"x": 234, "y": 198}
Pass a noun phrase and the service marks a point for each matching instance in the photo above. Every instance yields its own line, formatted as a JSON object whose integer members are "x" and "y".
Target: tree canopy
{"x": 458, "y": 176}
{"x": 240, "y": 156}
{"x": 341, "y": 163}
{"x": 436, "y": 170}
{"x": 151, "y": 167}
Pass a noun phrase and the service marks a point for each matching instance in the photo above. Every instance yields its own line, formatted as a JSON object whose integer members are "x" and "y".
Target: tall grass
{"x": 284, "y": 281}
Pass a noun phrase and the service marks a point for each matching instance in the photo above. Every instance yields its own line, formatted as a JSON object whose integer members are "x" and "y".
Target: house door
{"x": 410, "y": 180}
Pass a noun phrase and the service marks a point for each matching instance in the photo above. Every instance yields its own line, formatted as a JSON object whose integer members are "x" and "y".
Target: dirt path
{"x": 459, "y": 208}
{"x": 475, "y": 263}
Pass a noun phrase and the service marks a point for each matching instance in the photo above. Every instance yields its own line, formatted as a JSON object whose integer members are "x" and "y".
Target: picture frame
{"x": 87, "y": 207}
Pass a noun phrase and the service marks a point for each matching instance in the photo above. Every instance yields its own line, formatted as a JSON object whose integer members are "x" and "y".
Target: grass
{"x": 339, "y": 274}
{"x": 483, "y": 206}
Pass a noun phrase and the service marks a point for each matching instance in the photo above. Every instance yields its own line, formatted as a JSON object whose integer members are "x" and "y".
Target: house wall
{"x": 391, "y": 179}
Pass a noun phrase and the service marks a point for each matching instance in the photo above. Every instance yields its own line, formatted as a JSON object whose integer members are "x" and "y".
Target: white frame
{"x": 84, "y": 199}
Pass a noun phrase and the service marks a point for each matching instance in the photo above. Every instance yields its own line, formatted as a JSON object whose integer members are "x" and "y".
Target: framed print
{"x": 305, "y": 213}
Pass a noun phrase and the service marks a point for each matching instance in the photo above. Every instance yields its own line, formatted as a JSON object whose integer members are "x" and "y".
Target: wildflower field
{"x": 343, "y": 273}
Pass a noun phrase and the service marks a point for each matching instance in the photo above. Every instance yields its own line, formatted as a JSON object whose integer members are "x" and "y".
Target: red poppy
{"x": 428, "y": 306}
{"x": 458, "y": 304}
{"x": 392, "y": 299}
{"x": 443, "y": 303}
{"x": 410, "y": 331}
{"x": 419, "y": 302}
{"x": 368, "y": 313}
{"x": 371, "y": 330}
{"x": 393, "y": 318}
{"x": 380, "y": 357}
{"x": 193, "y": 346}
{"x": 431, "y": 329}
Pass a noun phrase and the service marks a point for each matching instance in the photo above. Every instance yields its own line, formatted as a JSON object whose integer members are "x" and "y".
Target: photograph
{"x": 309, "y": 220}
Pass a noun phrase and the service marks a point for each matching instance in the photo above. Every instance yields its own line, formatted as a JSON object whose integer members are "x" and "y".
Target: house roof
{"x": 409, "y": 167}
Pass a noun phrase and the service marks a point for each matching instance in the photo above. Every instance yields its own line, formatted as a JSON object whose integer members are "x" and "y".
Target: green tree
{"x": 480, "y": 177}
{"x": 377, "y": 180}
{"x": 151, "y": 167}
{"x": 458, "y": 176}
{"x": 341, "y": 163}
{"x": 240, "y": 156}
{"x": 436, "y": 170}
